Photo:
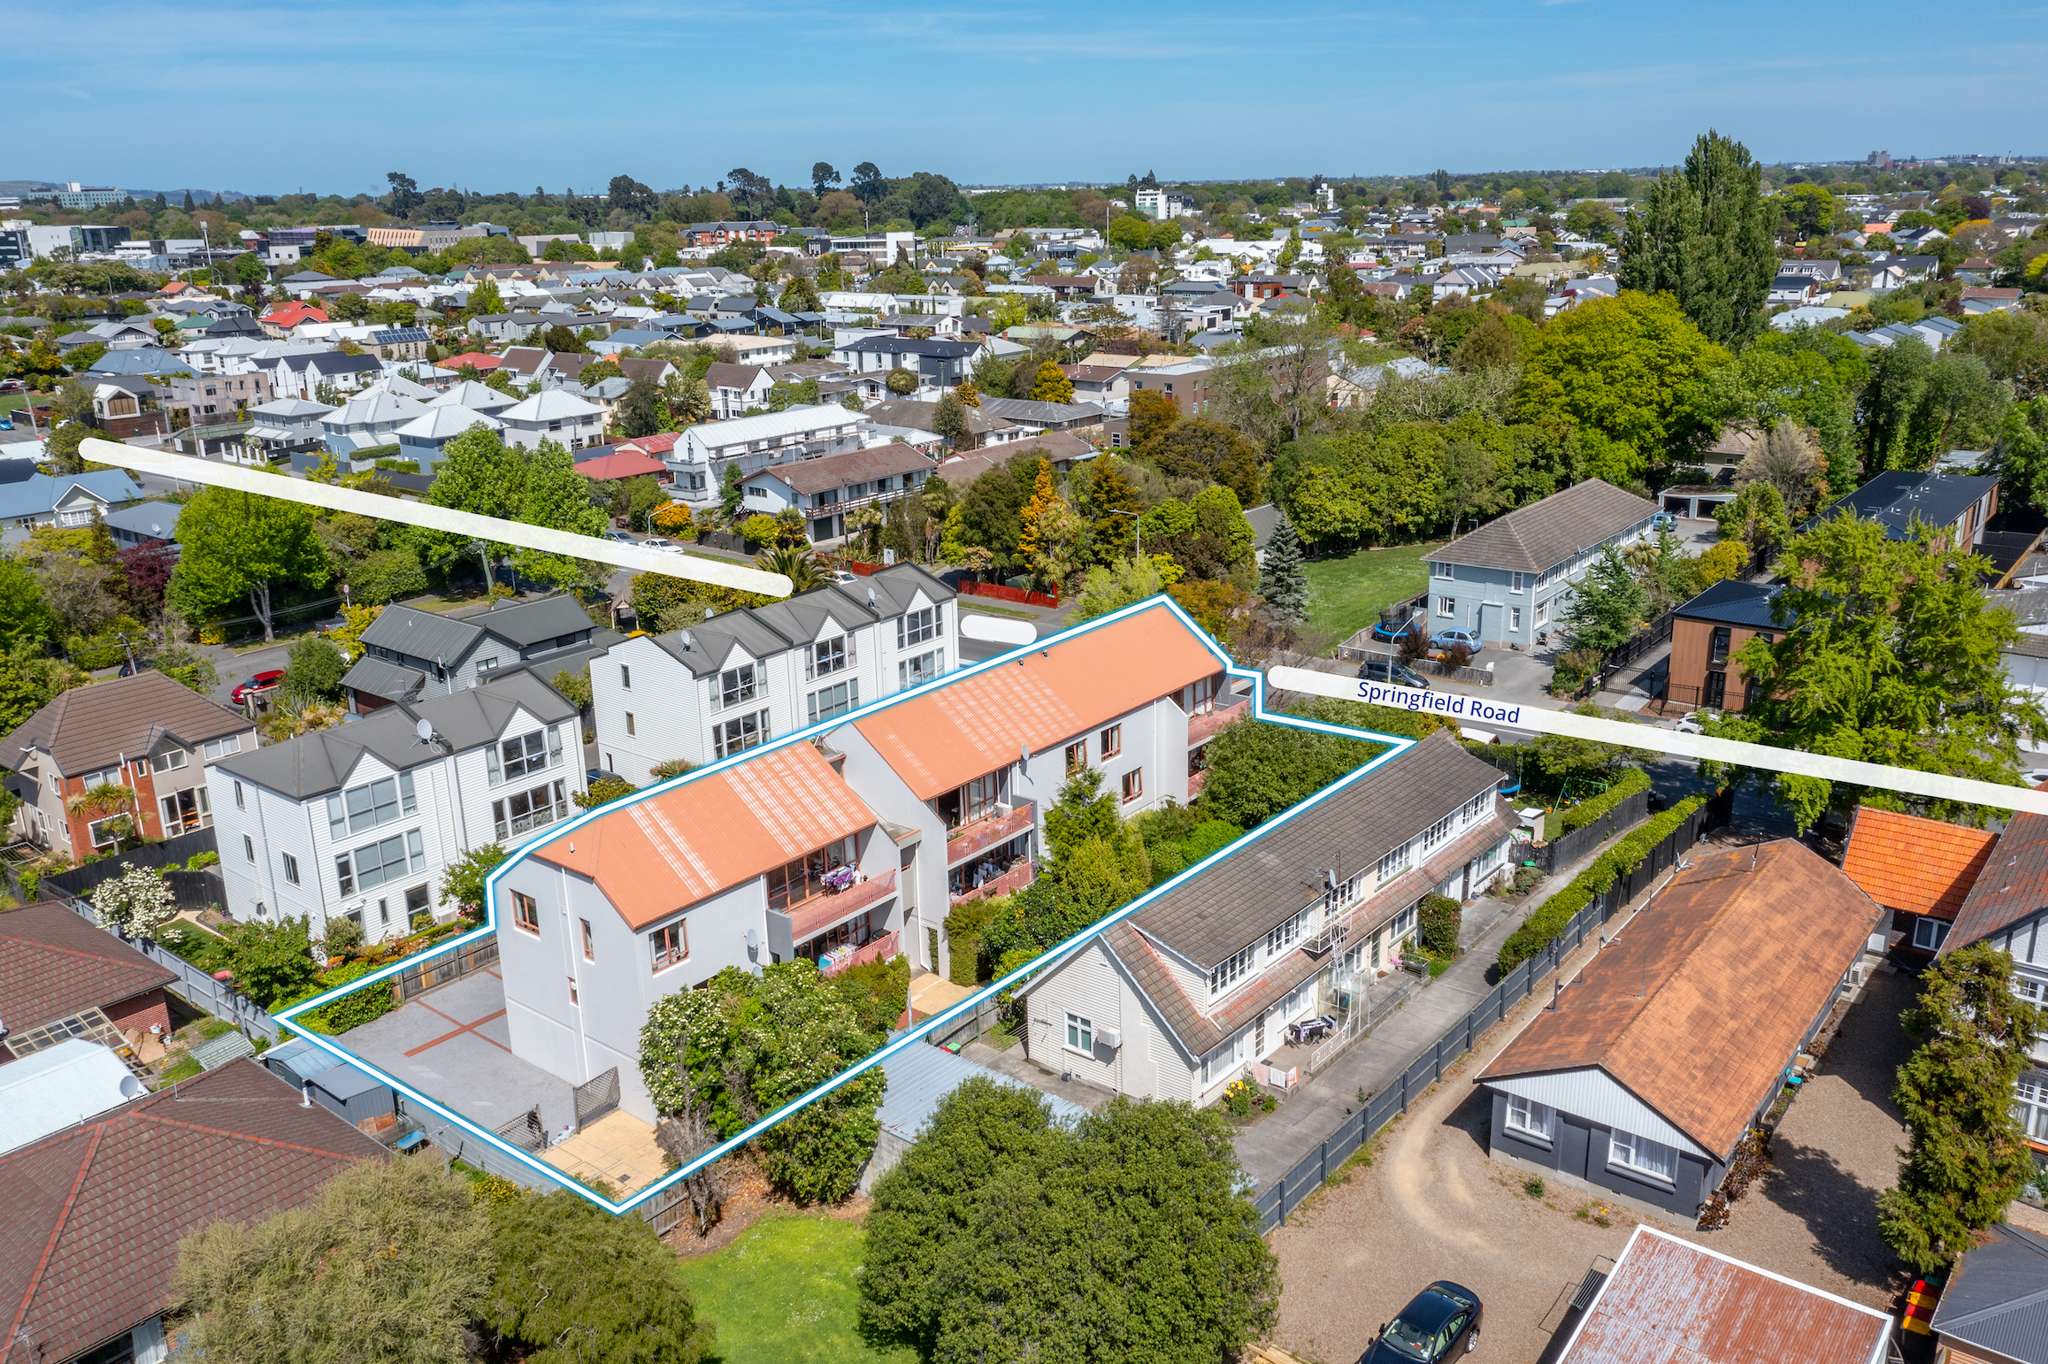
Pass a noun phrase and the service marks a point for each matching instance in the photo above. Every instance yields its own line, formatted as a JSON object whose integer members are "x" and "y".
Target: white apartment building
{"x": 699, "y": 460}
{"x": 553, "y": 415}
{"x": 742, "y": 678}
{"x": 360, "y": 821}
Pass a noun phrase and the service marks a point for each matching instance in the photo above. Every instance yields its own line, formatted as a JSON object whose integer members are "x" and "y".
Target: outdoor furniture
{"x": 1311, "y": 1029}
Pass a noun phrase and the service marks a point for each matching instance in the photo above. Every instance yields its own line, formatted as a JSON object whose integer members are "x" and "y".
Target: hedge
{"x": 1555, "y": 913}
{"x": 1586, "y": 811}
{"x": 352, "y": 1010}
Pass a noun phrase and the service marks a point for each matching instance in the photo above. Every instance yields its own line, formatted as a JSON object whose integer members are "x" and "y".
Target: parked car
{"x": 657, "y": 542}
{"x": 1390, "y": 670}
{"x": 1441, "y": 1323}
{"x": 1694, "y": 722}
{"x": 619, "y": 537}
{"x": 840, "y": 575}
{"x": 2034, "y": 776}
{"x": 1664, "y": 521}
{"x": 1392, "y": 631}
{"x": 1443, "y": 641}
{"x": 265, "y": 681}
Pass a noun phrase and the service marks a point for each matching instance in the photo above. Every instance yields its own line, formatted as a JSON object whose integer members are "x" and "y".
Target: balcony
{"x": 1015, "y": 879}
{"x": 1202, "y": 728}
{"x": 991, "y": 830}
{"x": 809, "y": 917}
{"x": 880, "y": 949}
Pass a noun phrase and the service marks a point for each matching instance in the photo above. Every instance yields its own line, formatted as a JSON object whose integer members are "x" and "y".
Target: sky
{"x": 509, "y": 94}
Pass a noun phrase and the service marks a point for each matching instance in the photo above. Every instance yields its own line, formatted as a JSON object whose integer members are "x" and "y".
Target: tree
{"x": 29, "y": 680}
{"x": 1757, "y": 517}
{"x": 483, "y": 299}
{"x": 2019, "y": 458}
{"x": 639, "y": 412}
{"x": 1257, "y": 769}
{"x": 823, "y": 177}
{"x": 479, "y": 473}
{"x": 1966, "y": 1156}
{"x": 236, "y": 546}
{"x": 979, "y": 1233}
{"x": 1152, "y": 413}
{"x": 795, "y": 562}
{"x": 1050, "y": 384}
{"x": 1886, "y": 407}
{"x": 1049, "y": 531}
{"x": 135, "y": 904}
{"x": 1890, "y": 652}
{"x": 604, "y": 791}
{"x": 1209, "y": 452}
{"x": 271, "y": 962}
{"x": 187, "y": 667}
{"x": 462, "y": 885}
{"x": 313, "y": 670}
{"x": 1608, "y": 607}
{"x": 390, "y": 1262}
{"x": 1703, "y": 235}
{"x": 685, "y": 402}
{"x": 901, "y": 382}
{"x": 1115, "y": 585}
{"x": 405, "y": 197}
{"x": 949, "y": 420}
{"x": 26, "y": 620}
{"x": 1789, "y": 460}
{"x": 800, "y": 295}
{"x": 867, "y": 183}
{"x": 1282, "y": 581}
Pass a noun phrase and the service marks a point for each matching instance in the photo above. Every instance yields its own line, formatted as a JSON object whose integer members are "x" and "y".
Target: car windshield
{"x": 1408, "y": 1340}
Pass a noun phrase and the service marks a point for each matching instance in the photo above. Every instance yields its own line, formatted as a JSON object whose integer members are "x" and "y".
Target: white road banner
{"x": 1480, "y": 712}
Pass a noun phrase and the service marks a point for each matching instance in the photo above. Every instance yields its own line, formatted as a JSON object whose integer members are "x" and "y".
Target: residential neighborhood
{"x": 1395, "y": 704}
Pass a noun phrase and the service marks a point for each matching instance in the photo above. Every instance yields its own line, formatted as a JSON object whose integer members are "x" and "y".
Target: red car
{"x": 264, "y": 681}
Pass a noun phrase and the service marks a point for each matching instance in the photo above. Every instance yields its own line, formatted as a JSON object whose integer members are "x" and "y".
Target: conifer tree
{"x": 1282, "y": 581}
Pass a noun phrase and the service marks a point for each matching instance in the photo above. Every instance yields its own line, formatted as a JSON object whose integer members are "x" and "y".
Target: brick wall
{"x": 138, "y": 1013}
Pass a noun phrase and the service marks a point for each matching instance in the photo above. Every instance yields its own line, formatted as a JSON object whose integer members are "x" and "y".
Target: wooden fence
{"x": 1004, "y": 592}
{"x": 475, "y": 956}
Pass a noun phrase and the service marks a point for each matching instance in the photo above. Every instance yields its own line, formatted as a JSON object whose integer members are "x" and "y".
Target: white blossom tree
{"x": 137, "y": 903}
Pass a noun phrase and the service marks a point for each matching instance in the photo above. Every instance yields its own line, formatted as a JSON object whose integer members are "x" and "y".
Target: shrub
{"x": 1439, "y": 919}
{"x": 964, "y": 927}
{"x": 1550, "y": 918}
{"x": 1631, "y": 781}
{"x": 200, "y": 861}
{"x": 878, "y": 990}
{"x": 351, "y": 1010}
{"x": 1574, "y": 669}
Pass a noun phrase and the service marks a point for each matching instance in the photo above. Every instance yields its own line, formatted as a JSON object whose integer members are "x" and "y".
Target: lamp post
{"x": 1137, "y": 529}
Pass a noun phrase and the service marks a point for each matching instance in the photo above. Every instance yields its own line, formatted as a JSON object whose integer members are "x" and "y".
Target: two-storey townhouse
{"x": 205, "y": 398}
{"x": 1199, "y": 986}
{"x": 973, "y": 765}
{"x": 699, "y": 461}
{"x": 553, "y": 415}
{"x": 734, "y": 681}
{"x": 737, "y": 389}
{"x": 283, "y": 429}
{"x": 1958, "y": 506}
{"x": 304, "y": 376}
{"x": 361, "y": 821}
{"x": 368, "y": 420}
{"x": 1510, "y": 580}
{"x": 410, "y": 654}
{"x": 771, "y": 860}
{"x": 146, "y": 733}
{"x": 826, "y": 489}
{"x": 937, "y": 363}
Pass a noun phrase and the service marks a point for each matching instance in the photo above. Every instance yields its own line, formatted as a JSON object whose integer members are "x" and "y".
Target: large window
{"x": 1928, "y": 933}
{"x": 1393, "y": 864}
{"x": 836, "y": 699}
{"x": 375, "y": 864}
{"x": 527, "y": 754}
{"x": 736, "y": 685}
{"x": 1527, "y": 1118}
{"x": 739, "y": 734}
{"x": 362, "y": 808}
{"x": 915, "y": 627}
{"x": 1435, "y": 834}
{"x": 532, "y": 809}
{"x": 669, "y": 946}
{"x": 170, "y": 760}
{"x": 1640, "y": 1155}
{"x": 829, "y": 656}
{"x": 923, "y": 668}
{"x": 1080, "y": 1034}
{"x": 2030, "y": 988}
{"x": 1284, "y": 936}
{"x": 799, "y": 880}
{"x": 1232, "y": 971}
{"x": 976, "y": 799}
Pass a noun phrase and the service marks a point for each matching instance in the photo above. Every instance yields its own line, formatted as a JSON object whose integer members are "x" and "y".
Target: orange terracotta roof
{"x": 1922, "y": 866}
{"x": 479, "y": 360}
{"x": 665, "y": 853}
{"x": 952, "y": 734}
{"x": 1698, "y": 1004}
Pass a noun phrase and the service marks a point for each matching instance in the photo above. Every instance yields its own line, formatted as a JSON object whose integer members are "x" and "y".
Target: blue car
{"x": 1664, "y": 521}
{"x": 1391, "y": 631}
{"x": 1441, "y": 1324}
{"x": 1443, "y": 641}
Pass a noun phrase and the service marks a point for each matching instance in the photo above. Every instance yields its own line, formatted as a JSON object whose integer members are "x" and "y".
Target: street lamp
{"x": 1137, "y": 528}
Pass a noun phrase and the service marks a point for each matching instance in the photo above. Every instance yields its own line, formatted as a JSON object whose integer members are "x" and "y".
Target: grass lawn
{"x": 13, "y": 402}
{"x": 976, "y": 604}
{"x": 1345, "y": 594}
{"x": 783, "y": 1293}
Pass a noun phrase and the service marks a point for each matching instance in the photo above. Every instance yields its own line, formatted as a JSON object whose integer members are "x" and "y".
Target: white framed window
{"x": 1439, "y": 569}
{"x": 2030, "y": 1106}
{"x": 1640, "y": 1155}
{"x": 367, "y": 806}
{"x": 523, "y": 811}
{"x": 1447, "y": 607}
{"x": 1232, "y": 971}
{"x": 915, "y": 627}
{"x": 1080, "y": 1034}
{"x": 248, "y": 847}
{"x": 1435, "y": 834}
{"x": 240, "y": 804}
{"x": 923, "y": 668}
{"x": 1285, "y": 935}
{"x": 2030, "y": 988}
{"x": 170, "y": 760}
{"x": 1527, "y": 1118}
{"x": 100, "y": 834}
{"x": 739, "y": 734}
{"x": 1514, "y": 618}
{"x": 836, "y": 699}
{"x": 630, "y": 727}
{"x": 1393, "y": 864}
{"x": 220, "y": 748}
{"x": 829, "y": 656}
{"x": 1928, "y": 933}
{"x": 524, "y": 755}
{"x": 737, "y": 685}
{"x": 1518, "y": 582}
{"x": 1543, "y": 613}
{"x": 625, "y": 678}
{"x": 291, "y": 868}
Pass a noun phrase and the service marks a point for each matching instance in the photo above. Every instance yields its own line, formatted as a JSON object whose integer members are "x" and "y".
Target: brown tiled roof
{"x": 95, "y": 1213}
{"x": 1057, "y": 446}
{"x": 1546, "y": 533}
{"x": 1922, "y": 866}
{"x": 2013, "y": 885}
{"x": 826, "y": 472}
{"x": 1698, "y": 1004}
{"x": 95, "y": 726}
{"x": 720, "y": 374}
{"x": 53, "y": 964}
{"x": 648, "y": 367}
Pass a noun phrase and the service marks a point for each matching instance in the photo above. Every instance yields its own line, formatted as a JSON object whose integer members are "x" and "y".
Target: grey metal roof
{"x": 1546, "y": 533}
{"x": 1997, "y": 1299}
{"x": 426, "y": 634}
{"x": 919, "y": 1079}
{"x": 301, "y": 1061}
{"x": 763, "y": 631}
{"x": 1027, "y": 410}
{"x": 1896, "y": 497}
{"x": 380, "y": 677}
{"x": 318, "y": 763}
{"x": 1735, "y": 602}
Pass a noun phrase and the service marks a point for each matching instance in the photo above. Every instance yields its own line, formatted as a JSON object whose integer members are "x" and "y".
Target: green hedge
{"x": 1586, "y": 811}
{"x": 964, "y": 927}
{"x": 352, "y": 1010}
{"x": 1555, "y": 913}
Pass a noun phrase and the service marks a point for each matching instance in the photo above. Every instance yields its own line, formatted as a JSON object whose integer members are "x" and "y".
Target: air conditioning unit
{"x": 1111, "y": 1038}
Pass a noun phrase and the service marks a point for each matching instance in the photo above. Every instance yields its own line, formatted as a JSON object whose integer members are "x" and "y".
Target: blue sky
{"x": 513, "y": 93}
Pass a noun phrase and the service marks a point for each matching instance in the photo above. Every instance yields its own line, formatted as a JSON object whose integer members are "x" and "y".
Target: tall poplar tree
{"x": 1703, "y": 234}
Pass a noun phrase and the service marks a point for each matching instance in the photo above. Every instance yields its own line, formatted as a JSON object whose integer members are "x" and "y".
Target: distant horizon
{"x": 518, "y": 93}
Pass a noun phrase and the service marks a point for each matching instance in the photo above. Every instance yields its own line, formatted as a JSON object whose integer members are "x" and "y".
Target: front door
{"x": 1716, "y": 690}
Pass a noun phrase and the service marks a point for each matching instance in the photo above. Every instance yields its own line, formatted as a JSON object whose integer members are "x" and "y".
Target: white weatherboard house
{"x": 1198, "y": 987}
{"x": 698, "y": 463}
{"x": 553, "y": 415}
{"x": 360, "y": 821}
{"x": 826, "y": 489}
{"x": 737, "y": 680}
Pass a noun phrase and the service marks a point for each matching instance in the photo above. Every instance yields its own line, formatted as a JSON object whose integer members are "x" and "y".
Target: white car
{"x": 2034, "y": 776}
{"x": 840, "y": 575}
{"x": 657, "y": 542}
{"x": 1694, "y": 722}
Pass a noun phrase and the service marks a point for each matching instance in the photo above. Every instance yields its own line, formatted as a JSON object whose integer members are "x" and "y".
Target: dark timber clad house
{"x": 1643, "y": 1076}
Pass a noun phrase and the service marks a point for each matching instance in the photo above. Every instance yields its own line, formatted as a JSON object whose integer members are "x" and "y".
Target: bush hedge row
{"x": 1586, "y": 811}
{"x": 1555, "y": 913}
{"x": 353, "y": 1010}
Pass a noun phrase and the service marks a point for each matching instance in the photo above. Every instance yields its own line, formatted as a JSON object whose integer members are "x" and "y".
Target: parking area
{"x": 1433, "y": 1205}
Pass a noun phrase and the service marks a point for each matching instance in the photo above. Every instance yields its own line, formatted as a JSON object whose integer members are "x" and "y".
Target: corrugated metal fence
{"x": 1284, "y": 1195}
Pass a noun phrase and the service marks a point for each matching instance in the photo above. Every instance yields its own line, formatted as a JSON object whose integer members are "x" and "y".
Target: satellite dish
{"x": 687, "y": 641}
{"x": 132, "y": 1088}
{"x": 424, "y": 728}
{"x": 753, "y": 940}
{"x": 871, "y": 598}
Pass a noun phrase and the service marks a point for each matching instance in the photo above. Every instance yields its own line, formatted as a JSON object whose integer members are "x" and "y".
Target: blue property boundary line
{"x": 1396, "y": 745}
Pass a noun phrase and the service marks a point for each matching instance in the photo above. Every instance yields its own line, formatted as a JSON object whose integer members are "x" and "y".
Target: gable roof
{"x": 94, "y": 726}
{"x": 660, "y": 855}
{"x": 1735, "y": 602}
{"x": 2012, "y": 887}
{"x": 1997, "y": 1297}
{"x": 96, "y": 1212}
{"x": 1060, "y": 447}
{"x": 54, "y": 964}
{"x": 762, "y": 631}
{"x": 948, "y": 736}
{"x": 1542, "y": 534}
{"x": 39, "y": 494}
{"x": 621, "y": 464}
{"x": 428, "y": 634}
{"x": 1696, "y": 1006}
{"x": 723, "y": 374}
{"x": 826, "y": 472}
{"x": 1919, "y": 865}
{"x": 1896, "y": 497}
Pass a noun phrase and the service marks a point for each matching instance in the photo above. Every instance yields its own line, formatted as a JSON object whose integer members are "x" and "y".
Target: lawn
{"x": 784, "y": 1292}
{"x": 13, "y": 402}
{"x": 1345, "y": 594}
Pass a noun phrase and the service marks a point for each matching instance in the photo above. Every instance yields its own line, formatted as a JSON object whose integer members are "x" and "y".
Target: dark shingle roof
{"x": 826, "y": 472}
{"x": 1997, "y": 1299}
{"x": 1547, "y": 533}
{"x": 54, "y": 964}
{"x": 2012, "y": 887}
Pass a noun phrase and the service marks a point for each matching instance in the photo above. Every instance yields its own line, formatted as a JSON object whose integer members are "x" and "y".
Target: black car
{"x": 1390, "y": 670}
{"x": 1442, "y": 1323}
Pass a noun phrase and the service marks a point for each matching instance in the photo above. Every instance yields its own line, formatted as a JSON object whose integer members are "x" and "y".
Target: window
{"x": 532, "y": 809}
{"x": 834, "y": 700}
{"x": 170, "y": 760}
{"x": 374, "y": 864}
{"x": 248, "y": 848}
{"x": 1447, "y": 607}
{"x": 1284, "y": 936}
{"x": 2030, "y": 1106}
{"x": 1080, "y": 1034}
{"x": 1232, "y": 971}
{"x": 220, "y": 748}
{"x": 1518, "y": 582}
{"x": 630, "y": 729}
{"x": 1515, "y": 619}
{"x": 361, "y": 808}
{"x": 1134, "y": 784}
{"x": 829, "y": 656}
{"x": 1435, "y": 834}
{"x": 625, "y": 678}
{"x": 105, "y": 833}
{"x": 1393, "y": 864}
{"x": 800, "y": 879}
{"x": 1527, "y": 1118}
{"x": 525, "y": 755}
{"x": 1077, "y": 756}
{"x": 1640, "y": 1155}
{"x": 739, "y": 734}
{"x": 1928, "y": 933}
{"x": 291, "y": 868}
{"x": 1403, "y": 925}
{"x": 486, "y": 663}
{"x": 1112, "y": 740}
{"x": 736, "y": 685}
{"x": 525, "y": 913}
{"x": 923, "y": 668}
{"x": 2030, "y": 989}
{"x": 670, "y": 946}
{"x": 1717, "y": 645}
{"x": 1439, "y": 569}
{"x": 1543, "y": 613}
{"x": 915, "y": 627}
{"x": 976, "y": 799}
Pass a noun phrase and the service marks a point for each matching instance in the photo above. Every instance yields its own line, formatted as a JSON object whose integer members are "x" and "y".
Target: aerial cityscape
{"x": 1216, "y": 734}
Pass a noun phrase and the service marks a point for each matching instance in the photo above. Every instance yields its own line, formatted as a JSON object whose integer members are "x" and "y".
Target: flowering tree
{"x": 136, "y": 903}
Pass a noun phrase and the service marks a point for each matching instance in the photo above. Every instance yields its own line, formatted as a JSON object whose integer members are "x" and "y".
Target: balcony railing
{"x": 1015, "y": 879}
{"x": 991, "y": 830}
{"x": 879, "y": 949}
{"x": 807, "y": 918}
{"x": 1202, "y": 728}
